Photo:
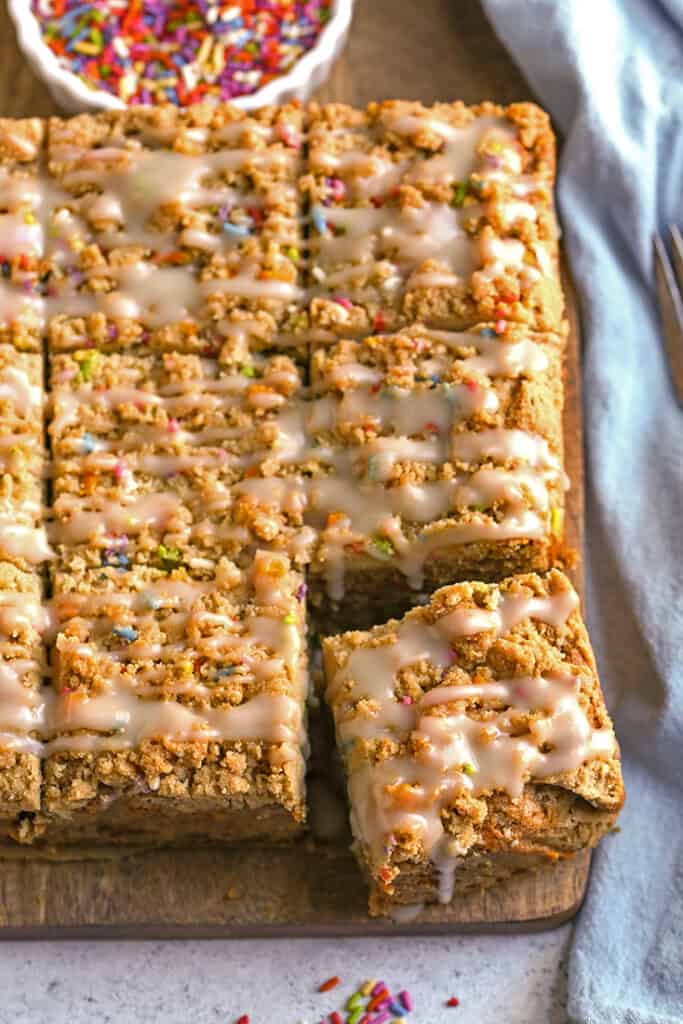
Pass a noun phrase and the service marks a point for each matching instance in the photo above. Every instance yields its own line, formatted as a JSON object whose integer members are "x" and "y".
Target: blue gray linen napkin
{"x": 611, "y": 74}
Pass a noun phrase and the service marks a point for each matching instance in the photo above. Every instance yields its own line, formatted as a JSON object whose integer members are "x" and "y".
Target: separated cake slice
{"x": 175, "y": 227}
{"x": 443, "y": 461}
{"x": 440, "y": 214}
{"x": 178, "y": 710}
{"x": 475, "y": 739}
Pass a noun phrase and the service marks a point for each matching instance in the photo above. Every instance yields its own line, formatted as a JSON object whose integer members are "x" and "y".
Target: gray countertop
{"x": 510, "y": 979}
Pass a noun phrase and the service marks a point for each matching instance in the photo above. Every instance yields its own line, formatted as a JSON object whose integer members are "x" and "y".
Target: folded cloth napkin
{"x": 611, "y": 74}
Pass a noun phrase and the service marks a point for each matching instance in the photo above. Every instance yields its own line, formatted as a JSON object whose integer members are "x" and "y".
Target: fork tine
{"x": 671, "y": 313}
{"x": 677, "y": 253}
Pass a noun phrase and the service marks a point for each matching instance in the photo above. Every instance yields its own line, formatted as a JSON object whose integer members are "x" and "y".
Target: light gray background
{"x": 510, "y": 979}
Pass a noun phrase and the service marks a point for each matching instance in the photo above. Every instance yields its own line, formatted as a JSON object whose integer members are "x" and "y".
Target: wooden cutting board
{"x": 434, "y": 50}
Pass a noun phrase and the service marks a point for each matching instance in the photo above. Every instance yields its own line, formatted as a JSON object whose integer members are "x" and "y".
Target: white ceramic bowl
{"x": 75, "y": 96}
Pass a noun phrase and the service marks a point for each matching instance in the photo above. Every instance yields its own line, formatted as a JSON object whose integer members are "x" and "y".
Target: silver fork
{"x": 669, "y": 273}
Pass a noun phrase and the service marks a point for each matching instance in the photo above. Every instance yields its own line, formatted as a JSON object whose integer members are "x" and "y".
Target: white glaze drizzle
{"x": 17, "y": 390}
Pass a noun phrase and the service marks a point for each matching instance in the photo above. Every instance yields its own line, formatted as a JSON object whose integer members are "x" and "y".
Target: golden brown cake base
{"x": 171, "y": 794}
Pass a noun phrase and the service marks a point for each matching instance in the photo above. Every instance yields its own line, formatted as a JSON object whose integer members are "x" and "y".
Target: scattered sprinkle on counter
{"x": 372, "y": 1003}
{"x": 329, "y": 984}
{"x": 453, "y": 1001}
{"x": 179, "y": 51}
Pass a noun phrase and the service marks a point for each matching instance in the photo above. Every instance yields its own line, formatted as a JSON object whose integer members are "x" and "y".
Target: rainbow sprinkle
{"x": 372, "y": 1003}
{"x": 179, "y": 51}
{"x": 328, "y": 985}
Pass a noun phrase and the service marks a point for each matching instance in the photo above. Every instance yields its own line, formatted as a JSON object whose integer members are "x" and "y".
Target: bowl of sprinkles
{"x": 109, "y": 54}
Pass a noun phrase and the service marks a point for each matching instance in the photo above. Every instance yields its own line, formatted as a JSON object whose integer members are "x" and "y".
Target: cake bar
{"x": 23, "y": 617}
{"x": 22, "y": 667}
{"x": 440, "y": 214}
{"x": 178, "y": 225}
{"x": 443, "y": 454}
{"x": 475, "y": 739}
{"x": 178, "y": 710}
{"x": 23, "y": 539}
{"x": 147, "y": 450}
{"x": 22, "y": 238}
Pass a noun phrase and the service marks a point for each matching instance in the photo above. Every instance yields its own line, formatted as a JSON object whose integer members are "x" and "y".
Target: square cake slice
{"x": 148, "y": 449}
{"x": 440, "y": 214}
{"x": 175, "y": 226}
{"x": 22, "y": 456}
{"x": 443, "y": 460}
{"x": 22, "y": 233}
{"x": 179, "y": 706}
{"x": 474, "y": 737}
{"x": 23, "y": 537}
{"x": 23, "y": 665}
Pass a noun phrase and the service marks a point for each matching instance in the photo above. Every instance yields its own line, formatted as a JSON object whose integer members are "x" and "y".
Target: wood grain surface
{"x": 432, "y": 50}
